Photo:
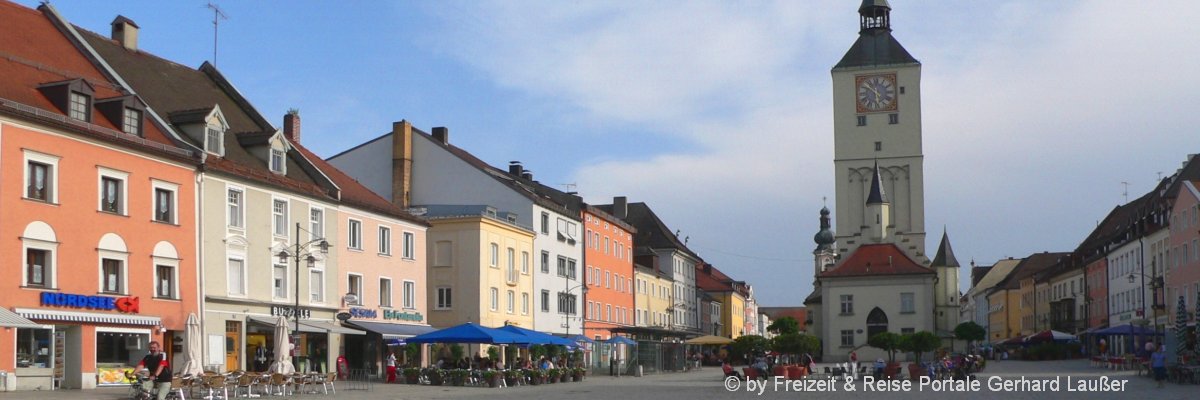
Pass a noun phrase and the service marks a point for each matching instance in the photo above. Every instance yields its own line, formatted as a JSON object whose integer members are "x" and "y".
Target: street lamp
{"x": 583, "y": 298}
{"x": 300, "y": 251}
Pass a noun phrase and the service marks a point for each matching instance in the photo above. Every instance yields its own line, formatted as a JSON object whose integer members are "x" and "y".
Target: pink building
{"x": 1183, "y": 257}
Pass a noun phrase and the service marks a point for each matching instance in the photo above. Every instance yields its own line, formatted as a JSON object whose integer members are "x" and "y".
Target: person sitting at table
{"x": 729, "y": 371}
{"x": 760, "y": 364}
{"x": 879, "y": 366}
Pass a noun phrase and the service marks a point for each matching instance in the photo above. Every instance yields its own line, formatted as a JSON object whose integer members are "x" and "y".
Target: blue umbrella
{"x": 468, "y": 333}
{"x": 581, "y": 339}
{"x": 621, "y": 340}
{"x": 535, "y": 337}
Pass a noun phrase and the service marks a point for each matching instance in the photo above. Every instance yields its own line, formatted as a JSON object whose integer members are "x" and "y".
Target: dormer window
{"x": 79, "y": 106}
{"x": 131, "y": 122}
{"x": 212, "y": 141}
{"x": 277, "y": 164}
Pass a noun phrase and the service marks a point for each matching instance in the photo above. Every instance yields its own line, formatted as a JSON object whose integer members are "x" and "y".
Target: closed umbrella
{"x": 1181, "y": 316}
{"x": 191, "y": 353}
{"x": 283, "y": 349}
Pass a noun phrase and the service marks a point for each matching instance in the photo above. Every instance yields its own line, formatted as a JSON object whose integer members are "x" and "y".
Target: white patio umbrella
{"x": 283, "y": 349}
{"x": 191, "y": 354}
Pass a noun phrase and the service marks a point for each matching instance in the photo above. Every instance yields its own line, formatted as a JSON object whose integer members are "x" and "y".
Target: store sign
{"x": 123, "y": 304}
{"x": 363, "y": 313}
{"x": 403, "y": 316}
{"x": 289, "y": 312}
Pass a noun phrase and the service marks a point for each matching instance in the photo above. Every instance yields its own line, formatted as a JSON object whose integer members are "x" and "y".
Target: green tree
{"x": 795, "y": 343}
{"x": 886, "y": 341}
{"x": 784, "y": 326}
{"x": 744, "y": 345}
{"x": 919, "y": 343}
{"x": 970, "y": 331}
{"x": 456, "y": 352}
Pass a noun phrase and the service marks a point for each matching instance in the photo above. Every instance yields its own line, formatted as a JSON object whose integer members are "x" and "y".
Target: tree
{"x": 748, "y": 344}
{"x": 970, "y": 331}
{"x": 784, "y": 326}
{"x": 886, "y": 341}
{"x": 795, "y": 343}
{"x": 920, "y": 342}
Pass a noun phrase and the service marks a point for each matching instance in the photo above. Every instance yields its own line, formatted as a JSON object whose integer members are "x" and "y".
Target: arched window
{"x": 877, "y": 322}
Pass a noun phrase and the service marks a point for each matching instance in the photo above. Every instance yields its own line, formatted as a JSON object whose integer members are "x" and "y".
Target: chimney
{"x": 620, "y": 207}
{"x": 125, "y": 32}
{"x": 401, "y": 163}
{"x": 291, "y": 125}
{"x": 527, "y": 175}
{"x": 441, "y": 134}
{"x": 514, "y": 168}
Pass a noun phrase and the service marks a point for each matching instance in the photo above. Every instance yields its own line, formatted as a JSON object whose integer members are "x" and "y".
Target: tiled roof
{"x": 652, "y": 232}
{"x": 35, "y": 52}
{"x": 876, "y": 260}
{"x": 355, "y": 193}
{"x": 775, "y": 313}
{"x": 945, "y": 254}
{"x": 1030, "y": 266}
{"x": 875, "y": 48}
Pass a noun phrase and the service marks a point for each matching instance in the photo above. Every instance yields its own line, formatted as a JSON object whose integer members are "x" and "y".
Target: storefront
{"x": 75, "y": 349}
{"x": 369, "y": 352}
{"x": 312, "y": 342}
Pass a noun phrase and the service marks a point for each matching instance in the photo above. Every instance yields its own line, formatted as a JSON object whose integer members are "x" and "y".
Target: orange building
{"x": 608, "y": 255}
{"x": 96, "y": 214}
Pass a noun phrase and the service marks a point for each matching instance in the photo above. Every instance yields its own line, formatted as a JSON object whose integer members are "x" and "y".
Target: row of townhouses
{"x": 136, "y": 192}
{"x": 1139, "y": 268}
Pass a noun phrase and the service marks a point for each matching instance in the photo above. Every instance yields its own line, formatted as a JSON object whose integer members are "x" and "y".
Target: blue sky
{"x": 718, "y": 114}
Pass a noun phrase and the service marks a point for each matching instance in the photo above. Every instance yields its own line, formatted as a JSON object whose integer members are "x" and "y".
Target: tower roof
{"x": 875, "y": 45}
{"x": 824, "y": 237}
{"x": 876, "y": 196}
{"x": 945, "y": 254}
{"x": 867, "y": 4}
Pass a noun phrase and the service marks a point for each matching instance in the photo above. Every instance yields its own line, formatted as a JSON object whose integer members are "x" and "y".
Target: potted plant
{"x": 512, "y": 376}
{"x": 458, "y": 377}
{"x": 492, "y": 377}
{"x": 536, "y": 376}
{"x": 919, "y": 343}
{"x": 577, "y": 373}
{"x": 552, "y": 375}
{"x": 564, "y": 374}
{"x": 889, "y": 342}
{"x": 412, "y": 376}
{"x": 435, "y": 376}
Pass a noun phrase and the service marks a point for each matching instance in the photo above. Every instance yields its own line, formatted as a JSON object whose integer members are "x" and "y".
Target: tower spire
{"x": 876, "y": 196}
{"x": 945, "y": 254}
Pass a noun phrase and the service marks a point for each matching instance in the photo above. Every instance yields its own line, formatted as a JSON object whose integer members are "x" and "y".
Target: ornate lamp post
{"x": 301, "y": 250}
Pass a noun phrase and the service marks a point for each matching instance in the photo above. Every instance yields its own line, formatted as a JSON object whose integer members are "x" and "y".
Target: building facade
{"x": 609, "y": 273}
{"x": 1183, "y": 261}
{"x": 653, "y": 296}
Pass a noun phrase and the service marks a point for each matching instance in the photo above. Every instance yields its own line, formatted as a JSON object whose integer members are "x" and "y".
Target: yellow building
{"x": 732, "y": 295}
{"x": 480, "y": 265}
{"x": 653, "y": 297}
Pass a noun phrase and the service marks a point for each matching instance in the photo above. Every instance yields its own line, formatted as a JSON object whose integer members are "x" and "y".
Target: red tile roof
{"x": 799, "y": 313}
{"x": 876, "y": 259}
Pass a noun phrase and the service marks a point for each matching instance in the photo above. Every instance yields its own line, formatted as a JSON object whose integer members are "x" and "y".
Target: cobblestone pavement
{"x": 708, "y": 384}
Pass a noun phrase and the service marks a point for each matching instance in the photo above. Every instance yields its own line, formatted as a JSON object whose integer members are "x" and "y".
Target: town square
{"x": 711, "y": 199}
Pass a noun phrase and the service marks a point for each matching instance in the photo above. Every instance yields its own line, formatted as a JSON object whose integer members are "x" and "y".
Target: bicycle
{"x": 139, "y": 392}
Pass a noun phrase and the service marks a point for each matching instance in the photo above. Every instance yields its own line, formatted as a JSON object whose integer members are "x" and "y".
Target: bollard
{"x": 639, "y": 371}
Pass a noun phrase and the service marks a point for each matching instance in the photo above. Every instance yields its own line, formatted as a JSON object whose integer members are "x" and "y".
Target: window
{"x": 495, "y": 298}
{"x": 212, "y": 141}
{"x": 545, "y": 262}
{"x": 280, "y": 213}
{"x": 316, "y": 286}
{"x": 236, "y": 277}
{"x": 112, "y": 193}
{"x": 607, "y": 280}
{"x": 164, "y": 202}
{"x": 511, "y": 299}
{"x": 355, "y": 233}
{"x": 280, "y": 281}
{"x": 906, "y": 303}
{"x": 385, "y": 240}
{"x": 37, "y": 271}
{"x": 566, "y": 303}
{"x": 893, "y": 119}
{"x": 444, "y": 299}
{"x": 607, "y": 312}
{"x": 847, "y": 338}
{"x": 316, "y": 223}
{"x": 512, "y": 265}
{"x": 545, "y": 301}
{"x": 606, "y": 244}
{"x": 862, "y": 120}
{"x": 847, "y": 304}
{"x": 410, "y": 294}
{"x": 33, "y": 349}
{"x": 39, "y": 182}
{"x": 562, "y": 266}
{"x": 410, "y": 245}
{"x": 277, "y": 165}
{"x": 524, "y": 303}
{"x": 236, "y": 206}
{"x": 878, "y": 146}
{"x": 112, "y": 276}
{"x": 132, "y": 122}
{"x": 525, "y": 263}
{"x": 545, "y": 223}
{"x": 78, "y": 107}
{"x": 495, "y": 263}
{"x": 385, "y": 292}
{"x": 354, "y": 282}
{"x": 443, "y": 255}
{"x": 164, "y": 279}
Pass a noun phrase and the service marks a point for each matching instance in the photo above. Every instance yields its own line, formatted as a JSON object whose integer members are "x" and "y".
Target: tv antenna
{"x": 218, "y": 15}
{"x": 569, "y": 186}
{"x": 1125, "y": 192}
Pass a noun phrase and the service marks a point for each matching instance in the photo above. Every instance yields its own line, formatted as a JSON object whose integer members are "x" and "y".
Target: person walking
{"x": 391, "y": 366}
{"x": 1158, "y": 363}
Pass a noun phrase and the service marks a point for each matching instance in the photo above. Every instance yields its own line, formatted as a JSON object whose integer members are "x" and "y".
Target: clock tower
{"x": 877, "y": 137}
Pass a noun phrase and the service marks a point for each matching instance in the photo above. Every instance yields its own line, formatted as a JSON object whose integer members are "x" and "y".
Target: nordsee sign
{"x": 403, "y": 316}
{"x": 122, "y": 304}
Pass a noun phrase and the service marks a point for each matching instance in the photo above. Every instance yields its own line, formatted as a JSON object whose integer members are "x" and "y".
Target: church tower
{"x": 945, "y": 290}
{"x": 825, "y": 255}
{"x": 877, "y": 135}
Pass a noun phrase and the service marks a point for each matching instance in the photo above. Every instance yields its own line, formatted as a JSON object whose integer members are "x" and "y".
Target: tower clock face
{"x": 875, "y": 93}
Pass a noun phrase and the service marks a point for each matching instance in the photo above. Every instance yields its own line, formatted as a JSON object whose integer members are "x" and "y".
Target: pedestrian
{"x": 391, "y": 366}
{"x": 159, "y": 370}
{"x": 1158, "y": 363}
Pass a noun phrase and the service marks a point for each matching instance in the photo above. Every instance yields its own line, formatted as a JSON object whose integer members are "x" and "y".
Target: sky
{"x": 718, "y": 114}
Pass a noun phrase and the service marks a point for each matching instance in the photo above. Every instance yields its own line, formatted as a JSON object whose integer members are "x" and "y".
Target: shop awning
{"x": 392, "y": 331}
{"x": 9, "y": 319}
{"x": 310, "y": 326}
{"x": 74, "y": 316}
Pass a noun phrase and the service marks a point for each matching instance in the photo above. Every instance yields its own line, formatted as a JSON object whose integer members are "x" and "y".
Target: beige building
{"x": 480, "y": 267}
{"x": 653, "y": 297}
